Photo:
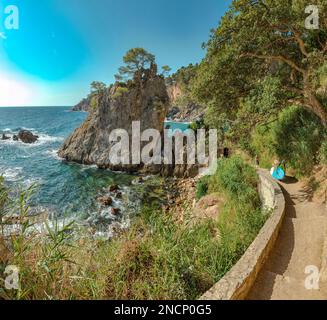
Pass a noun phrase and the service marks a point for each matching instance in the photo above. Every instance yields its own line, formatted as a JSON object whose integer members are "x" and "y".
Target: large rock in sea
{"x": 143, "y": 99}
{"x": 27, "y": 136}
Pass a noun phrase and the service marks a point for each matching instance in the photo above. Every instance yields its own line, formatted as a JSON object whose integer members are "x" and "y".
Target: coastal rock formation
{"x": 27, "y": 136}
{"x": 4, "y": 137}
{"x": 143, "y": 99}
{"x": 190, "y": 112}
{"x": 84, "y": 105}
{"x": 182, "y": 107}
{"x": 174, "y": 92}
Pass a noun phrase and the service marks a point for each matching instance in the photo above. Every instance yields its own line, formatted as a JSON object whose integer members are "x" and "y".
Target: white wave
{"x": 53, "y": 154}
{"x": 11, "y": 174}
{"x": 85, "y": 167}
{"x": 31, "y": 181}
{"x": 28, "y": 129}
{"x": 43, "y": 139}
{"x": 9, "y": 141}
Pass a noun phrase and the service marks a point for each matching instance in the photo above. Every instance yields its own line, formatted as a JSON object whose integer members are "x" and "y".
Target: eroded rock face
{"x": 182, "y": 108}
{"x": 84, "y": 105}
{"x": 144, "y": 99}
{"x": 27, "y": 136}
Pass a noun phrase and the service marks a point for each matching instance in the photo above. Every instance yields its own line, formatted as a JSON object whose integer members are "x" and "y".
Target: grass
{"x": 155, "y": 259}
{"x": 201, "y": 188}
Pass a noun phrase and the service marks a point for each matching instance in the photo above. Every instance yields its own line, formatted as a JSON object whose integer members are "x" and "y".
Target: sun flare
{"x": 13, "y": 92}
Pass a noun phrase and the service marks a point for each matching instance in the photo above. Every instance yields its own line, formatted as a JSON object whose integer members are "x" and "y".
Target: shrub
{"x": 202, "y": 188}
{"x": 263, "y": 145}
{"x": 3, "y": 195}
{"x": 119, "y": 92}
{"x": 298, "y": 137}
{"x": 94, "y": 101}
{"x": 156, "y": 258}
{"x": 237, "y": 179}
{"x": 160, "y": 259}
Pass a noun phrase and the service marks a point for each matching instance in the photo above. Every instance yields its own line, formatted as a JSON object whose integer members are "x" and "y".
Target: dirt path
{"x": 300, "y": 244}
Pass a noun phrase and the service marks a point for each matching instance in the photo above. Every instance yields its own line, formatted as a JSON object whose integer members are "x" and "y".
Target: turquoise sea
{"x": 63, "y": 188}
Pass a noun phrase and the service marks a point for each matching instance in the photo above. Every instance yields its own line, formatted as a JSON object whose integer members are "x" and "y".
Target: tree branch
{"x": 294, "y": 90}
{"x": 291, "y": 63}
{"x": 297, "y": 36}
{"x": 301, "y": 43}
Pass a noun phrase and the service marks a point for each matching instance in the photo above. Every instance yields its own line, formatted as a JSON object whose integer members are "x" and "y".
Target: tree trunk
{"x": 313, "y": 102}
{"x": 316, "y": 106}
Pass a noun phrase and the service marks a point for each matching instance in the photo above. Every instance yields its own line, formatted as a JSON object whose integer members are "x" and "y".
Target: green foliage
{"x": 202, "y": 188}
{"x": 136, "y": 59}
{"x": 199, "y": 124}
{"x": 183, "y": 77}
{"x": 320, "y": 81}
{"x": 3, "y": 196}
{"x": 261, "y": 105}
{"x": 181, "y": 261}
{"x": 166, "y": 70}
{"x": 237, "y": 180}
{"x": 94, "y": 102}
{"x": 323, "y": 153}
{"x": 156, "y": 258}
{"x": 119, "y": 92}
{"x": 41, "y": 262}
{"x": 260, "y": 60}
{"x": 262, "y": 144}
{"x": 169, "y": 261}
{"x": 97, "y": 87}
{"x": 296, "y": 137}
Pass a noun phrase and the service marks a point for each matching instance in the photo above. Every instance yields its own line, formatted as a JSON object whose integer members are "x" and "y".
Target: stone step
{"x": 273, "y": 286}
{"x": 292, "y": 254}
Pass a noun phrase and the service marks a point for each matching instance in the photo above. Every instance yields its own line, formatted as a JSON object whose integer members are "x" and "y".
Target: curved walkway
{"x": 300, "y": 244}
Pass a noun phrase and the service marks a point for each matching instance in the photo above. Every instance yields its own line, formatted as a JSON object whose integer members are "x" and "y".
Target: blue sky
{"x": 63, "y": 45}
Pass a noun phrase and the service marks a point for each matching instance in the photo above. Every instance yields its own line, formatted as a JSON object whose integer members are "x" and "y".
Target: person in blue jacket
{"x": 278, "y": 171}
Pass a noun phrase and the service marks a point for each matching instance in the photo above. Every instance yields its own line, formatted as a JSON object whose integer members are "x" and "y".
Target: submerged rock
{"x": 105, "y": 200}
{"x": 119, "y": 195}
{"x": 27, "y": 136}
{"x": 113, "y": 188}
{"x": 115, "y": 211}
{"x": 4, "y": 137}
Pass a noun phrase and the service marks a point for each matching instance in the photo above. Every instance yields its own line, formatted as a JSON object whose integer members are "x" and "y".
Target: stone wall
{"x": 236, "y": 284}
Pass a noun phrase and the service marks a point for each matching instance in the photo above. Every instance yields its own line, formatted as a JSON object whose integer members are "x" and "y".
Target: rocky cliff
{"x": 174, "y": 92}
{"x": 84, "y": 105}
{"x": 182, "y": 108}
{"x": 143, "y": 99}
